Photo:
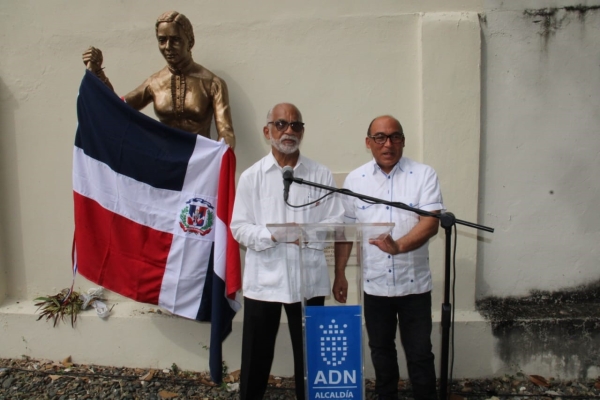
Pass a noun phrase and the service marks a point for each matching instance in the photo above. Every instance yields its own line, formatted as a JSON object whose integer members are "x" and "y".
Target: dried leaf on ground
{"x": 66, "y": 362}
{"x": 207, "y": 382}
{"x": 232, "y": 377}
{"x": 539, "y": 380}
{"x": 54, "y": 377}
{"x": 167, "y": 395}
{"x": 148, "y": 377}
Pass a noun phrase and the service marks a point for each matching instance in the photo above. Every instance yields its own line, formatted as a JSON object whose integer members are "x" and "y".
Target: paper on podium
{"x": 285, "y": 233}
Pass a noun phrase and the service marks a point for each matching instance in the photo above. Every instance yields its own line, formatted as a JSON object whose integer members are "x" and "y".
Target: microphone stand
{"x": 447, "y": 221}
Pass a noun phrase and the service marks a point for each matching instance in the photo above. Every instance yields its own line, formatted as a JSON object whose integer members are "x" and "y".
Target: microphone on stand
{"x": 288, "y": 176}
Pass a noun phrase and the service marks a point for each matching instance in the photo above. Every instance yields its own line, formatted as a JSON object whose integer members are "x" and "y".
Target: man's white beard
{"x": 284, "y": 148}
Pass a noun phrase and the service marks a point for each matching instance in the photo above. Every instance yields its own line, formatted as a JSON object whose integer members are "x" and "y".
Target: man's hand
{"x": 340, "y": 289}
{"x": 426, "y": 228}
{"x": 92, "y": 58}
{"x": 296, "y": 242}
{"x": 387, "y": 244}
{"x": 341, "y": 251}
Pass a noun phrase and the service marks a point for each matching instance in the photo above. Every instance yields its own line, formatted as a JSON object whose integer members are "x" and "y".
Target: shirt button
{"x": 389, "y": 270}
{"x": 389, "y": 256}
{"x": 387, "y": 207}
{"x": 411, "y": 280}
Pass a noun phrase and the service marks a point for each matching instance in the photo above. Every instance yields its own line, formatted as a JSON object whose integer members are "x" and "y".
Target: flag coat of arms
{"x": 152, "y": 212}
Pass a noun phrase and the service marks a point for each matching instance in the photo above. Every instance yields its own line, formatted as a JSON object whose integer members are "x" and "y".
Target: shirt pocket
{"x": 374, "y": 271}
{"x": 305, "y": 196}
{"x": 368, "y": 212}
{"x": 313, "y": 266}
{"x": 272, "y": 270}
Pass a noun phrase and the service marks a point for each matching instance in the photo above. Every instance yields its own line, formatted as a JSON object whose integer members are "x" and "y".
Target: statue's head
{"x": 182, "y": 21}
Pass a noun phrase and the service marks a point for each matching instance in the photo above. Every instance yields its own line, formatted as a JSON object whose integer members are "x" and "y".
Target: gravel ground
{"x": 44, "y": 379}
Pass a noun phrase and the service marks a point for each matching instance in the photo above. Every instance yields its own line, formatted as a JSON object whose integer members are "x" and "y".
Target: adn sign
{"x": 334, "y": 352}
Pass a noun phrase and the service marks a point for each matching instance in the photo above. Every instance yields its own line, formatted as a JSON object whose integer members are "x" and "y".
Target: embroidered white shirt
{"x": 413, "y": 184}
{"x": 271, "y": 271}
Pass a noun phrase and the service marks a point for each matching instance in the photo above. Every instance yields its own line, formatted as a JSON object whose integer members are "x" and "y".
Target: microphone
{"x": 288, "y": 176}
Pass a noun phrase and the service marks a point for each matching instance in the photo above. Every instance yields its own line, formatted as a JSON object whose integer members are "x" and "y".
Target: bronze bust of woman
{"x": 185, "y": 94}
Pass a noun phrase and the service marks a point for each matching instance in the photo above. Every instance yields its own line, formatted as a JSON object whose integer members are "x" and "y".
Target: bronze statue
{"x": 185, "y": 94}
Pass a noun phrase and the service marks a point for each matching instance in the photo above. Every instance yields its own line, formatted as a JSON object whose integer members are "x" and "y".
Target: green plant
{"x": 175, "y": 369}
{"x": 225, "y": 369}
{"x": 59, "y": 306}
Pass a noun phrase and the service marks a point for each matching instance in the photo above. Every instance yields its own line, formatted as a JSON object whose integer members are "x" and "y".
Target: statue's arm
{"x": 92, "y": 59}
{"x": 139, "y": 97}
{"x": 222, "y": 111}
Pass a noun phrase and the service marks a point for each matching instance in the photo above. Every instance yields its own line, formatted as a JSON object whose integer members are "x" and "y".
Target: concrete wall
{"x": 342, "y": 63}
{"x": 539, "y": 187}
{"x": 540, "y": 144}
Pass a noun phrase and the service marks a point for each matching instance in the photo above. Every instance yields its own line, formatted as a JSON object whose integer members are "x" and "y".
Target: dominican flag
{"x": 152, "y": 212}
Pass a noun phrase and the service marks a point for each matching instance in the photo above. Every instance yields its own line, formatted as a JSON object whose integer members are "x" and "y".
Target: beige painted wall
{"x": 341, "y": 62}
{"x": 540, "y": 148}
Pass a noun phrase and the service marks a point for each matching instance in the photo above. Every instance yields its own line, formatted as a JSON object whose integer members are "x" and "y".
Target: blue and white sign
{"x": 334, "y": 352}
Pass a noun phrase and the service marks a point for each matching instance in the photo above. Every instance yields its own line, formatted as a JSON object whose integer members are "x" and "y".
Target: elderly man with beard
{"x": 272, "y": 271}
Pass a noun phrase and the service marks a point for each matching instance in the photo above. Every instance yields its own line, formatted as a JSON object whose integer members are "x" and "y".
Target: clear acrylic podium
{"x": 333, "y": 334}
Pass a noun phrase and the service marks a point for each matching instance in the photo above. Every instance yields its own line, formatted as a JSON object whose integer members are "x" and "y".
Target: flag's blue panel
{"x": 214, "y": 308}
{"x": 334, "y": 352}
{"x": 130, "y": 143}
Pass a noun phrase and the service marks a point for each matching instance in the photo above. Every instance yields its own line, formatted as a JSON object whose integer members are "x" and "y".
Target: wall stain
{"x": 482, "y": 19}
{"x": 551, "y": 19}
{"x": 561, "y": 328}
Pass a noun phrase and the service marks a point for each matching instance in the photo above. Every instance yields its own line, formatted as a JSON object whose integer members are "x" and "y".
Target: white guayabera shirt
{"x": 413, "y": 184}
{"x": 271, "y": 271}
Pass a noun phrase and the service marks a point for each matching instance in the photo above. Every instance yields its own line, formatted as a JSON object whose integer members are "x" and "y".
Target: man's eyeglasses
{"x": 380, "y": 138}
{"x": 281, "y": 125}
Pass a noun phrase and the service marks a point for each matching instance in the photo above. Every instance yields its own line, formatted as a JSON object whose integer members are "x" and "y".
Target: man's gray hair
{"x": 270, "y": 113}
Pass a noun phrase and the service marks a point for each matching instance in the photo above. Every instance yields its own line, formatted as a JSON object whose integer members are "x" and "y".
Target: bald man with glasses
{"x": 272, "y": 270}
{"x": 396, "y": 274}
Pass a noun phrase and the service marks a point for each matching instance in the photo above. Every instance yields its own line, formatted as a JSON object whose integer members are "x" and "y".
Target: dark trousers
{"x": 412, "y": 314}
{"x": 261, "y": 323}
